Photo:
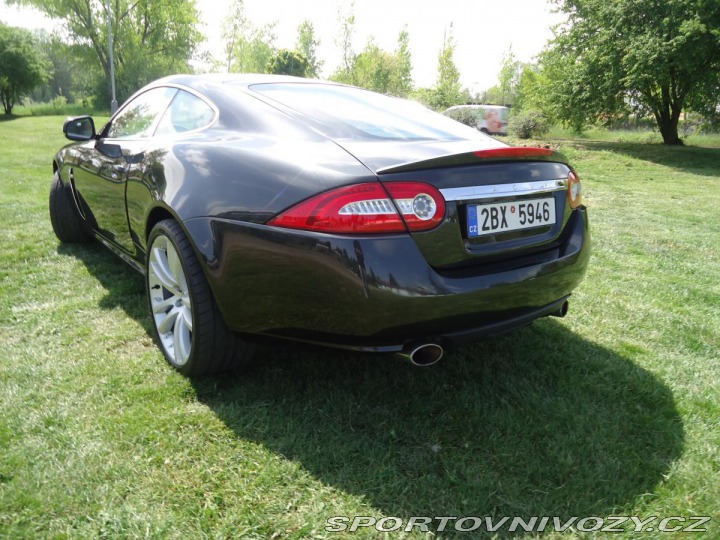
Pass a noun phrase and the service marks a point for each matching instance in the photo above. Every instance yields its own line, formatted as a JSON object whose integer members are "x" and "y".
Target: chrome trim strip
{"x": 502, "y": 190}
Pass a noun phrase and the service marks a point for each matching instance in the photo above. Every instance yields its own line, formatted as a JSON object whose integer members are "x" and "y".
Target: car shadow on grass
{"x": 538, "y": 422}
{"x": 125, "y": 287}
{"x": 691, "y": 159}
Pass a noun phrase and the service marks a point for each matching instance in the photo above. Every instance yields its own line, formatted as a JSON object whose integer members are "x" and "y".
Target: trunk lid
{"x": 502, "y": 203}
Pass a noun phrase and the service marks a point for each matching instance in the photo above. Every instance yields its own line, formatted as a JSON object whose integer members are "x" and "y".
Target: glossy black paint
{"x": 374, "y": 292}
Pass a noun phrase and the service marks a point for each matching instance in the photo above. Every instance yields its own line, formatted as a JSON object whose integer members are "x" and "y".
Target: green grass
{"x": 614, "y": 410}
{"x": 632, "y": 136}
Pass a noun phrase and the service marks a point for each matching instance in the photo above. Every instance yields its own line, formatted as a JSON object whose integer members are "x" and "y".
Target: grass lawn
{"x": 614, "y": 410}
{"x": 632, "y": 136}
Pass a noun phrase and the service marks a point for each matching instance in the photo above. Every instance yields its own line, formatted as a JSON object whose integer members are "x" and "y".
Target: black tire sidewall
{"x": 67, "y": 223}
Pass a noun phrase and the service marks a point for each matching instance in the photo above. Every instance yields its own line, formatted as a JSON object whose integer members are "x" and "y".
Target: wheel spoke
{"x": 181, "y": 341}
{"x": 164, "y": 306}
{"x": 175, "y": 268}
{"x": 187, "y": 317}
{"x": 160, "y": 268}
{"x": 167, "y": 323}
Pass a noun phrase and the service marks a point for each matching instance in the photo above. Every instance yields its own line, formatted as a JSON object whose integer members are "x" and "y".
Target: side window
{"x": 186, "y": 113}
{"x": 137, "y": 119}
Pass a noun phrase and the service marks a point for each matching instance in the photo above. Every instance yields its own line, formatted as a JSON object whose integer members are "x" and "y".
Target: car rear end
{"x": 449, "y": 253}
{"x": 455, "y": 239}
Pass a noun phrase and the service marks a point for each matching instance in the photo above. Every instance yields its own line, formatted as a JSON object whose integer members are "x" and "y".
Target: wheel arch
{"x": 155, "y": 216}
{"x": 196, "y": 236}
{"x": 160, "y": 213}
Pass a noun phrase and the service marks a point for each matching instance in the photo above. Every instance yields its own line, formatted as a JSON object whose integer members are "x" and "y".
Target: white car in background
{"x": 490, "y": 119}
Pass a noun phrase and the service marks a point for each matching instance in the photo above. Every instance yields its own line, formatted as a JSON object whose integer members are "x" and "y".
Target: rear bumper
{"x": 375, "y": 293}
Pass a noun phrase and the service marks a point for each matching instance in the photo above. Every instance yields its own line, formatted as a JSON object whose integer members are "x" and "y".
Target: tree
{"x": 345, "y": 73}
{"x": 69, "y": 79}
{"x": 383, "y": 71}
{"x": 650, "y": 56}
{"x": 374, "y": 69}
{"x": 403, "y": 74}
{"x": 22, "y": 66}
{"x": 287, "y": 62}
{"x": 307, "y": 45}
{"x": 247, "y": 49}
{"x": 509, "y": 78}
{"x": 447, "y": 88}
{"x": 151, "y": 38}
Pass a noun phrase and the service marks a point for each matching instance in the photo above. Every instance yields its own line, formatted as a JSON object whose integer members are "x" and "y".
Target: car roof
{"x": 237, "y": 79}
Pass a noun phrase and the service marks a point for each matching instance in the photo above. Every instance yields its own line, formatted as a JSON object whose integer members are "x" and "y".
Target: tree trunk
{"x": 8, "y": 102}
{"x": 667, "y": 119}
{"x": 669, "y": 130}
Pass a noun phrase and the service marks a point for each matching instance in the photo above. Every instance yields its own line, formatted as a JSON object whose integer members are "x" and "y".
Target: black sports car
{"x": 312, "y": 211}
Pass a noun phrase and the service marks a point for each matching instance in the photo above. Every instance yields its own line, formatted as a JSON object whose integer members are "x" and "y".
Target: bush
{"x": 465, "y": 115}
{"x": 59, "y": 102}
{"x": 529, "y": 124}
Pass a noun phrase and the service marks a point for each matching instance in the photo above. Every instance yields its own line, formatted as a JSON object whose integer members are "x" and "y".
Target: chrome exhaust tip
{"x": 562, "y": 311}
{"x": 422, "y": 355}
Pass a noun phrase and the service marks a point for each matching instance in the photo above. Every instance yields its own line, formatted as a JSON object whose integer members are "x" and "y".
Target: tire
{"x": 188, "y": 325}
{"x": 66, "y": 221}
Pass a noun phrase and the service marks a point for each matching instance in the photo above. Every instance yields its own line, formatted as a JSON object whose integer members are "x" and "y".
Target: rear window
{"x": 347, "y": 112}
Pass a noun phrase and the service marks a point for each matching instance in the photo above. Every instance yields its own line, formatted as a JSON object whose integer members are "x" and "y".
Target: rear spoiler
{"x": 509, "y": 153}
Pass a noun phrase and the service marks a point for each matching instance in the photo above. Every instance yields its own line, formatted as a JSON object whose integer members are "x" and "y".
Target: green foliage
{"x": 374, "y": 68}
{"x": 528, "y": 124}
{"x": 287, "y": 62}
{"x": 382, "y": 71}
{"x": 447, "y": 90}
{"x": 403, "y": 73}
{"x": 56, "y": 107}
{"x": 247, "y": 49}
{"x": 22, "y": 65}
{"x": 465, "y": 115}
{"x": 307, "y": 44}
{"x": 345, "y": 73}
{"x": 509, "y": 79}
{"x": 649, "y": 56}
{"x": 151, "y": 38}
{"x": 66, "y": 77}
{"x": 532, "y": 91}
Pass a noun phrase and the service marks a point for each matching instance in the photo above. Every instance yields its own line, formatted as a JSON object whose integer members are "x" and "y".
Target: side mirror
{"x": 80, "y": 128}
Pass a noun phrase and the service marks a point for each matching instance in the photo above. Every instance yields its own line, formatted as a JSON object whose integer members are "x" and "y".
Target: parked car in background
{"x": 490, "y": 119}
{"x": 276, "y": 207}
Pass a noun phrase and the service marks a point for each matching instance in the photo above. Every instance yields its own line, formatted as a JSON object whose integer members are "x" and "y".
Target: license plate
{"x": 510, "y": 216}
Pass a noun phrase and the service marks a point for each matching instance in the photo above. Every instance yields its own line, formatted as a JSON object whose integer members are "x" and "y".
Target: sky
{"x": 483, "y": 30}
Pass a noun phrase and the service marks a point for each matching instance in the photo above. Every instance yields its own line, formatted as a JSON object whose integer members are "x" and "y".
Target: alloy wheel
{"x": 170, "y": 300}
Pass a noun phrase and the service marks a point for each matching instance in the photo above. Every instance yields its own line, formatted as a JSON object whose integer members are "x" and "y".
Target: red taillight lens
{"x": 421, "y": 205}
{"x": 574, "y": 190}
{"x": 514, "y": 152}
{"x": 367, "y": 208}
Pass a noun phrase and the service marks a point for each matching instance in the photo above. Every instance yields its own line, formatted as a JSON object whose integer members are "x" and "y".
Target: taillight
{"x": 514, "y": 152}
{"x": 421, "y": 205}
{"x": 367, "y": 208}
{"x": 574, "y": 190}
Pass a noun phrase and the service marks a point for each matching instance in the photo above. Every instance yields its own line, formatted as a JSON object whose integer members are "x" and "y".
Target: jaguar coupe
{"x": 268, "y": 207}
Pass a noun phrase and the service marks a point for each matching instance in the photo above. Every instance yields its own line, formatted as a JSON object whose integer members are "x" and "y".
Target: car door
{"x": 102, "y": 182}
